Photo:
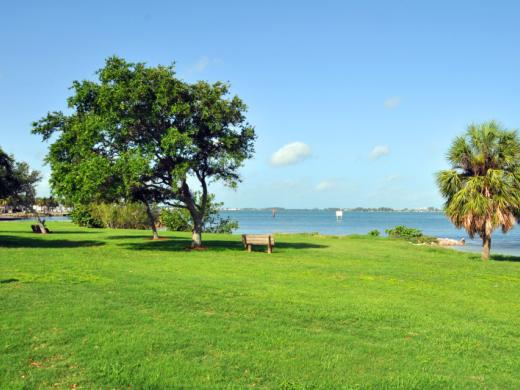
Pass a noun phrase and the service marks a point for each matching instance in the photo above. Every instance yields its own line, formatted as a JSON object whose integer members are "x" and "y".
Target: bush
{"x": 128, "y": 215}
{"x": 82, "y": 216}
{"x": 179, "y": 219}
{"x": 411, "y": 234}
{"x": 217, "y": 224}
{"x": 131, "y": 215}
{"x": 374, "y": 233}
{"x": 402, "y": 231}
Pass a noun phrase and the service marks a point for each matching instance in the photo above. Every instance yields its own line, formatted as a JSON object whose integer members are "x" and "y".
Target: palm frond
{"x": 482, "y": 190}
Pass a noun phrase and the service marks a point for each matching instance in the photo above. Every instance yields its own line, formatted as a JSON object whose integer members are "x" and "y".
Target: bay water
{"x": 358, "y": 222}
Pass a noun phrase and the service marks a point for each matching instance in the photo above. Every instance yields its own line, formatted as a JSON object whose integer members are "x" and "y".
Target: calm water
{"x": 324, "y": 222}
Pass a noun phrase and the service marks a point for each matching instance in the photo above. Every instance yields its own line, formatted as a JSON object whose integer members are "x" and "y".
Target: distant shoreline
{"x": 357, "y": 209}
{"x": 22, "y": 216}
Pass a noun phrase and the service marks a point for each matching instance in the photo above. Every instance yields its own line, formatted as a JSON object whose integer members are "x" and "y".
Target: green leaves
{"x": 48, "y": 125}
{"x": 140, "y": 133}
{"x": 482, "y": 190}
{"x": 485, "y": 146}
{"x": 175, "y": 142}
{"x": 450, "y": 182}
{"x": 17, "y": 181}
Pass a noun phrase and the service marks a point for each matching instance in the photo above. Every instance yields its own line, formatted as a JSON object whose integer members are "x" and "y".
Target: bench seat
{"x": 258, "y": 239}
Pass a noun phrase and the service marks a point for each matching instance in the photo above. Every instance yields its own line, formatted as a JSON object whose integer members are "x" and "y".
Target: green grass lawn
{"x": 111, "y": 309}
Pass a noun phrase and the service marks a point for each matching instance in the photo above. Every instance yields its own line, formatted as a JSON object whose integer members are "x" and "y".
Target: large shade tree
{"x": 140, "y": 133}
{"x": 482, "y": 189}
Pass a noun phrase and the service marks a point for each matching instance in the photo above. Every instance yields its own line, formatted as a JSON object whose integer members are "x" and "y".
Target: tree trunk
{"x": 196, "y": 213}
{"x": 196, "y": 237}
{"x": 486, "y": 247}
{"x": 152, "y": 221}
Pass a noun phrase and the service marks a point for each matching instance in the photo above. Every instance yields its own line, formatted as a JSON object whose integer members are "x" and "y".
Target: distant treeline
{"x": 388, "y": 209}
{"x": 357, "y": 209}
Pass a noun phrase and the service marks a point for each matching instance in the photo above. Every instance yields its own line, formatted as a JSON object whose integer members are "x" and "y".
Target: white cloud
{"x": 393, "y": 102}
{"x": 292, "y": 153}
{"x": 203, "y": 62}
{"x": 326, "y": 185}
{"x": 379, "y": 151}
{"x": 393, "y": 178}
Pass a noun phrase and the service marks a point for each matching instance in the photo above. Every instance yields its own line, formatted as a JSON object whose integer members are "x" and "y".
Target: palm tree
{"x": 482, "y": 190}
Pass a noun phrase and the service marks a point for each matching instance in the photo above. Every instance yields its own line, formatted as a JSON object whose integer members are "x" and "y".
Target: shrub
{"x": 217, "y": 224}
{"x": 179, "y": 219}
{"x": 129, "y": 215}
{"x": 82, "y": 216}
{"x": 176, "y": 219}
{"x": 410, "y": 234}
{"x": 374, "y": 233}
{"x": 402, "y": 231}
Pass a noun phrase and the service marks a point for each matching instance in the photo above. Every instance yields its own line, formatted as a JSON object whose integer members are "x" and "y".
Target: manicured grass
{"x": 111, "y": 309}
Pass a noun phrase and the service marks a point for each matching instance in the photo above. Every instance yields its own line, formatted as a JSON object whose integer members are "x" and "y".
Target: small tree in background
{"x": 141, "y": 134}
{"x": 9, "y": 182}
{"x": 18, "y": 184}
{"x": 482, "y": 189}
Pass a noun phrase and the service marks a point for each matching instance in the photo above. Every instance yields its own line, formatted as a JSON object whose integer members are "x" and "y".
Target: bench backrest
{"x": 257, "y": 239}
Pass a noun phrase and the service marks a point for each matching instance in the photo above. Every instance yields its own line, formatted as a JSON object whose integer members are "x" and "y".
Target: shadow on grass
{"x": 54, "y": 232}
{"x": 505, "y": 258}
{"x": 143, "y": 237}
{"x": 5, "y": 281}
{"x": 43, "y": 242}
{"x": 182, "y": 244}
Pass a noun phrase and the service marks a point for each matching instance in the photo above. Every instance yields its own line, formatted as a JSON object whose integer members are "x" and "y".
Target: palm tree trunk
{"x": 486, "y": 247}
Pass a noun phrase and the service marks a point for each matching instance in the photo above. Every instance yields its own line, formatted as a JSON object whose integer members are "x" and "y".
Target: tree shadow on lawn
{"x": 143, "y": 237}
{"x": 53, "y": 232}
{"x": 510, "y": 258}
{"x": 43, "y": 242}
{"x": 12, "y": 280}
{"x": 182, "y": 244}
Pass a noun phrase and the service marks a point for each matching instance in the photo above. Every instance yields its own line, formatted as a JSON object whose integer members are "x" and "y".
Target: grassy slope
{"x": 112, "y": 309}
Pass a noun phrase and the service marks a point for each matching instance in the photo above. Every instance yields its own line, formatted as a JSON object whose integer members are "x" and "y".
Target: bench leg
{"x": 249, "y": 248}
{"x": 269, "y": 248}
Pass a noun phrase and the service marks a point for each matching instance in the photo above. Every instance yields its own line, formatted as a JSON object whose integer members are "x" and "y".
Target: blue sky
{"x": 354, "y": 103}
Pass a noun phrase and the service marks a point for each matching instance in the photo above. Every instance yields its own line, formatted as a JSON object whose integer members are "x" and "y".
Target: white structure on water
{"x": 339, "y": 215}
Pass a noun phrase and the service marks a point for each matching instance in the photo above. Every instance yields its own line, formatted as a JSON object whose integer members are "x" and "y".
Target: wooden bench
{"x": 258, "y": 239}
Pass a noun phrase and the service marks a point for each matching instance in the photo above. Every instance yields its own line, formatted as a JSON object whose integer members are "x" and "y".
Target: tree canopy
{"x": 482, "y": 189}
{"x": 140, "y": 133}
{"x": 17, "y": 181}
